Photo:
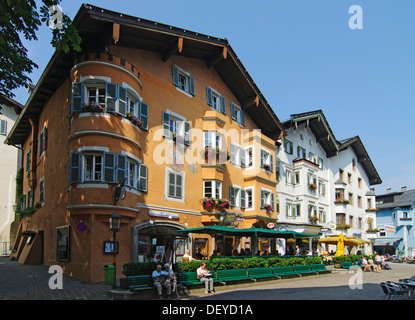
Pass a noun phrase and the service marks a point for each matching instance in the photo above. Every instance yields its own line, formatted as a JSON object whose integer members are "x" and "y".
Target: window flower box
{"x": 208, "y": 202}
{"x": 267, "y": 167}
{"x": 268, "y": 208}
{"x": 372, "y": 230}
{"x": 177, "y": 138}
{"x": 222, "y": 155}
{"x": 313, "y": 219}
{"x": 341, "y": 201}
{"x": 92, "y": 107}
{"x": 224, "y": 204}
{"x": 372, "y": 209}
{"x": 134, "y": 120}
{"x": 312, "y": 186}
{"x": 343, "y": 226}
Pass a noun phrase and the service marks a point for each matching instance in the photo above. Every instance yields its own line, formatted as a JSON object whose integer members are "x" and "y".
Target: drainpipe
{"x": 33, "y": 154}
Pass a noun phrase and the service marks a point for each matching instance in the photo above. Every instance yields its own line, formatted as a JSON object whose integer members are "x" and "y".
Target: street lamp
{"x": 115, "y": 225}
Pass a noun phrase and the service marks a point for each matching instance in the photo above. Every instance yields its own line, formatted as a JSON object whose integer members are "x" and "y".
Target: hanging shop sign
{"x": 270, "y": 225}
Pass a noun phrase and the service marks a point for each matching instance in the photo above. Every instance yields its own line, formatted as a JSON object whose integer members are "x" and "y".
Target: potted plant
{"x": 134, "y": 120}
{"x": 341, "y": 201}
{"x": 224, "y": 204}
{"x": 372, "y": 230}
{"x": 208, "y": 202}
{"x": 343, "y": 226}
{"x": 222, "y": 155}
{"x": 313, "y": 219}
{"x": 312, "y": 186}
{"x": 267, "y": 167}
{"x": 268, "y": 208}
{"x": 92, "y": 107}
{"x": 177, "y": 138}
{"x": 208, "y": 152}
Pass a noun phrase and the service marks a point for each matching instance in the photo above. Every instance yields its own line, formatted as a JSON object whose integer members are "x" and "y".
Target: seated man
{"x": 204, "y": 275}
{"x": 159, "y": 278}
{"x": 171, "y": 277}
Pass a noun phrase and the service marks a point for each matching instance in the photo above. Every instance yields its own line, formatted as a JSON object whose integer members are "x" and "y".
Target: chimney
{"x": 403, "y": 189}
{"x": 388, "y": 190}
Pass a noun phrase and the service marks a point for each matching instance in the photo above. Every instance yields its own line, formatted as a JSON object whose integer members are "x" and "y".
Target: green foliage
{"x": 138, "y": 269}
{"x": 21, "y": 18}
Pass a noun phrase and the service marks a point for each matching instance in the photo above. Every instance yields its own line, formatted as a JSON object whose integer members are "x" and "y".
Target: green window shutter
{"x": 209, "y": 96}
{"x": 142, "y": 178}
{"x": 175, "y": 75}
{"x": 144, "y": 114}
{"x": 271, "y": 162}
{"x": 179, "y": 186}
{"x": 109, "y": 167}
{"x": 111, "y": 90}
{"x": 121, "y": 167}
{"x": 75, "y": 167}
{"x": 122, "y": 100}
{"x": 262, "y": 161}
{"x": 272, "y": 201}
{"x": 243, "y": 199}
{"x": 262, "y": 198}
{"x": 187, "y": 135}
{"x": 232, "y": 196}
{"x": 166, "y": 124}
{"x": 77, "y": 96}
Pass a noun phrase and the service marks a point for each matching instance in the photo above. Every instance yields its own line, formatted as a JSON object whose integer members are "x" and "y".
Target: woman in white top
{"x": 205, "y": 276}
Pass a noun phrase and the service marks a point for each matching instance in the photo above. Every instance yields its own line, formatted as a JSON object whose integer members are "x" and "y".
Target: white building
{"x": 310, "y": 162}
{"x": 9, "y": 161}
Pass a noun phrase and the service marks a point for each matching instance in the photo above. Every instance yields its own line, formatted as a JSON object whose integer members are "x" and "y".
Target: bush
{"x": 138, "y": 269}
{"x": 277, "y": 262}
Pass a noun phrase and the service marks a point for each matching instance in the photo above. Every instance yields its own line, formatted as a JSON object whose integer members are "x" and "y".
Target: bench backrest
{"x": 302, "y": 268}
{"x": 287, "y": 269}
{"x": 187, "y": 276}
{"x": 140, "y": 280}
{"x": 318, "y": 267}
{"x": 231, "y": 273}
{"x": 259, "y": 271}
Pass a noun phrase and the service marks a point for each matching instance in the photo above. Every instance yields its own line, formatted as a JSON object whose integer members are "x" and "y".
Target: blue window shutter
{"x": 187, "y": 135}
{"x": 233, "y": 113}
{"x": 262, "y": 159}
{"x": 109, "y": 167}
{"x": 242, "y": 118}
{"x": 111, "y": 90}
{"x": 77, "y": 96}
{"x": 166, "y": 124}
{"x": 122, "y": 100}
{"x": 142, "y": 178}
{"x": 175, "y": 75}
{"x": 144, "y": 114}
{"x": 222, "y": 104}
{"x": 75, "y": 167}
{"x": 209, "y": 96}
{"x": 121, "y": 167}
{"x": 191, "y": 85}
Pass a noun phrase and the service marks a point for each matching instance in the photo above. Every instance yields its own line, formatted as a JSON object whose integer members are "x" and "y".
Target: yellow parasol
{"x": 341, "y": 241}
{"x": 340, "y": 246}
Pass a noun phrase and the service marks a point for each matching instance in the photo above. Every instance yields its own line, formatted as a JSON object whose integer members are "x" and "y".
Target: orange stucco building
{"x": 141, "y": 105}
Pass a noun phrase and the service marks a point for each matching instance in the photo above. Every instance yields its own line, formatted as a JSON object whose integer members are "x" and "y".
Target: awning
{"x": 348, "y": 241}
{"x": 250, "y": 232}
{"x": 387, "y": 241}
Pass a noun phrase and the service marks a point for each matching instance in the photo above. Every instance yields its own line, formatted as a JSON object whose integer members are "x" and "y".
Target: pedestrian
{"x": 205, "y": 276}
{"x": 297, "y": 250}
{"x": 378, "y": 262}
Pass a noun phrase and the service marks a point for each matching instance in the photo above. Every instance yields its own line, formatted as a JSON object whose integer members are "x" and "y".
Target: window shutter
{"x": 233, "y": 112}
{"x": 44, "y": 139}
{"x": 272, "y": 201}
{"x": 179, "y": 186}
{"x": 111, "y": 90}
{"x": 3, "y": 129}
{"x": 222, "y": 104}
{"x": 187, "y": 136}
{"x": 122, "y": 100}
{"x": 175, "y": 75}
{"x": 75, "y": 167}
{"x": 166, "y": 124}
{"x": 233, "y": 150}
{"x": 262, "y": 198}
{"x": 243, "y": 199}
{"x": 209, "y": 96}
{"x": 142, "y": 178}
{"x": 243, "y": 157}
{"x": 28, "y": 159}
{"x": 121, "y": 166}
{"x": 144, "y": 114}
{"x": 109, "y": 167}
{"x": 262, "y": 161}
{"x": 40, "y": 142}
{"x": 77, "y": 96}
{"x": 191, "y": 85}
{"x": 242, "y": 117}
{"x": 232, "y": 196}
{"x": 271, "y": 162}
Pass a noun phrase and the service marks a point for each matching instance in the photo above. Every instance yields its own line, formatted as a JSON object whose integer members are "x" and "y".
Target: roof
{"x": 362, "y": 157}
{"x": 399, "y": 199}
{"x": 11, "y": 103}
{"x": 319, "y": 126}
{"x": 96, "y": 25}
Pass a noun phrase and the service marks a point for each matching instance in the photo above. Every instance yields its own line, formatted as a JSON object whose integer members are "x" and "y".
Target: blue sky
{"x": 303, "y": 56}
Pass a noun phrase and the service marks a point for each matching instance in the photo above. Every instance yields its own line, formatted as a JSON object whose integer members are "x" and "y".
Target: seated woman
{"x": 171, "y": 277}
{"x": 205, "y": 276}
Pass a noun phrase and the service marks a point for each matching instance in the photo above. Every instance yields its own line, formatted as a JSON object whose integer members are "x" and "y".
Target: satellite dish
{"x": 123, "y": 192}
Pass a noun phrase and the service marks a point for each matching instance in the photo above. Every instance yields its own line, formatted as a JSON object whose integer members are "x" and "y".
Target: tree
{"x": 22, "y": 18}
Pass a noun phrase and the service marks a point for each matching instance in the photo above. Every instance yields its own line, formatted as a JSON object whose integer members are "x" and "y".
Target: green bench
{"x": 260, "y": 273}
{"x": 320, "y": 268}
{"x": 188, "y": 279}
{"x": 231, "y": 275}
{"x": 346, "y": 265}
{"x": 283, "y": 271}
{"x": 303, "y": 269}
{"x": 140, "y": 282}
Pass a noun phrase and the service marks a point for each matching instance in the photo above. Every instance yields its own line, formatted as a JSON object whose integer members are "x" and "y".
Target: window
{"x": 249, "y": 151}
{"x": 3, "y": 127}
{"x": 320, "y": 163}
{"x": 341, "y": 174}
{"x": 131, "y": 179}
{"x": 175, "y": 126}
{"x": 93, "y": 168}
{"x": 63, "y": 243}
{"x": 238, "y": 155}
{"x": 351, "y": 219}
{"x": 293, "y": 177}
{"x": 349, "y": 178}
{"x": 340, "y": 218}
{"x": 212, "y": 189}
{"x": 30, "y": 198}
{"x": 42, "y": 190}
{"x": 359, "y": 201}
{"x": 213, "y": 139}
{"x": 312, "y": 210}
{"x": 301, "y": 152}
{"x": 237, "y": 197}
{"x": 321, "y": 188}
{"x": 237, "y": 114}
{"x": 249, "y": 198}
{"x": 322, "y": 215}
{"x": 113, "y": 97}
{"x": 339, "y": 194}
{"x": 267, "y": 198}
{"x": 266, "y": 160}
{"x": 351, "y": 198}
{"x": 359, "y": 182}
{"x": 312, "y": 157}
{"x": 43, "y": 140}
{"x": 288, "y": 146}
{"x": 311, "y": 179}
{"x": 293, "y": 210}
{"x": 215, "y": 100}
{"x": 28, "y": 159}
{"x": 174, "y": 185}
{"x": 183, "y": 80}
{"x": 369, "y": 203}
